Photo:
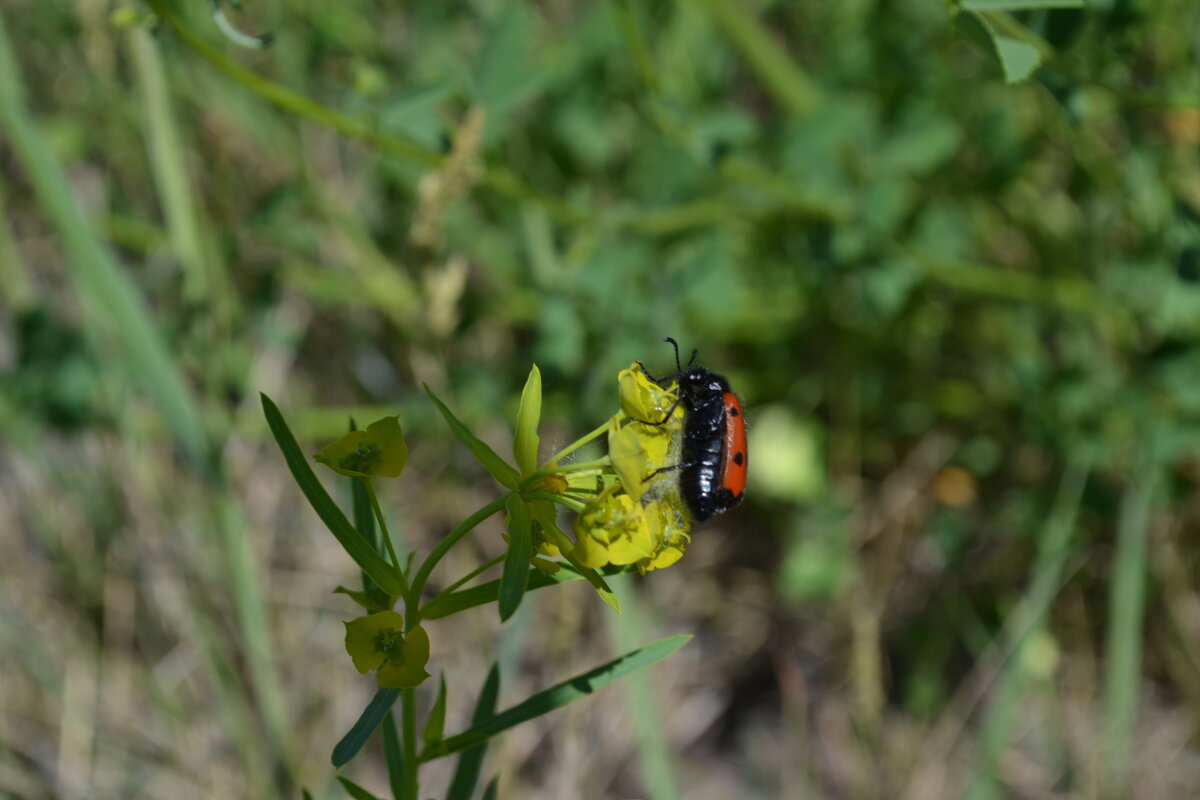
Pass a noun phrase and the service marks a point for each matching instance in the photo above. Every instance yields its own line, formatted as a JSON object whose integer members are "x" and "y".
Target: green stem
{"x": 575, "y": 445}
{"x": 418, "y": 583}
{"x": 582, "y": 466}
{"x": 408, "y": 700}
{"x": 562, "y": 500}
{"x": 497, "y": 179}
{"x": 774, "y": 66}
{"x": 387, "y": 537}
{"x": 484, "y": 567}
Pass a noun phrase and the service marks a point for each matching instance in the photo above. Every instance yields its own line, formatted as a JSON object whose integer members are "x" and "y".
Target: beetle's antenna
{"x": 695, "y": 352}
{"x": 675, "y": 344}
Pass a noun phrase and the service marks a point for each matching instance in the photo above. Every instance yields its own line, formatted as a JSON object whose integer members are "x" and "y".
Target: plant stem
{"x": 408, "y": 700}
{"x": 497, "y": 179}
{"x": 413, "y": 596}
{"x": 387, "y": 537}
{"x": 484, "y": 567}
{"x": 562, "y": 500}
{"x": 575, "y": 445}
{"x": 582, "y": 466}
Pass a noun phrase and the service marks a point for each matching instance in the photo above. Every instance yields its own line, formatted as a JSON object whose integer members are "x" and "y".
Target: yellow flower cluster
{"x": 641, "y": 520}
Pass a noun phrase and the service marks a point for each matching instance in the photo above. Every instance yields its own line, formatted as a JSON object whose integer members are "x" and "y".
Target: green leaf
{"x": 363, "y": 553}
{"x": 371, "y": 599}
{"x": 367, "y": 722}
{"x": 558, "y": 696}
{"x": 508, "y": 477}
{"x": 1017, "y": 58}
{"x": 489, "y": 793}
{"x": 529, "y": 414}
{"x": 507, "y": 73}
{"x": 516, "y": 563}
{"x": 1018, "y": 5}
{"x": 436, "y": 725}
{"x": 466, "y": 772}
{"x": 355, "y": 791}
{"x": 447, "y": 604}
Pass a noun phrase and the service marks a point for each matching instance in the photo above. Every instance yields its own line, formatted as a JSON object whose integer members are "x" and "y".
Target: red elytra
{"x": 733, "y": 473}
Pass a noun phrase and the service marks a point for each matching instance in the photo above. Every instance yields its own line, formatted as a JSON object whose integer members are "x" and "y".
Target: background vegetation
{"x": 964, "y": 315}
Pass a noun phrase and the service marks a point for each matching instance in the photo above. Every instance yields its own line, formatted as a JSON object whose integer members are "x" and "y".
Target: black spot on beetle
{"x": 733, "y": 412}
{"x": 739, "y": 458}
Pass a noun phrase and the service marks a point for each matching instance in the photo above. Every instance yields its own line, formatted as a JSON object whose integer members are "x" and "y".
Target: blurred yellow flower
{"x": 379, "y": 451}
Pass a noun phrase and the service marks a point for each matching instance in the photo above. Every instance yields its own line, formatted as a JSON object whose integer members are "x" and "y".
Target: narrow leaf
{"x": 367, "y": 722}
{"x": 516, "y": 563}
{"x": 436, "y": 725}
{"x": 529, "y": 414}
{"x": 366, "y": 556}
{"x": 355, "y": 791}
{"x": 447, "y": 604}
{"x": 490, "y": 792}
{"x": 558, "y": 696}
{"x": 498, "y": 467}
{"x": 466, "y": 772}
{"x": 372, "y": 600}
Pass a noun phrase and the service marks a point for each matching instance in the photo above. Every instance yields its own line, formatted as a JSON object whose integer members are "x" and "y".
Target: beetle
{"x": 712, "y": 476}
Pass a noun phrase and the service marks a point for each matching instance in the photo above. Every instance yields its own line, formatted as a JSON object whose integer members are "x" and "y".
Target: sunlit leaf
{"x": 508, "y": 477}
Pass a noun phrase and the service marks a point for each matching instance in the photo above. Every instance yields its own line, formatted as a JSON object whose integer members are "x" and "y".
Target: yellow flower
{"x": 377, "y": 642}
{"x": 673, "y": 524}
{"x": 379, "y": 451}
{"x": 642, "y": 398}
{"x": 639, "y": 449}
{"x": 614, "y": 528}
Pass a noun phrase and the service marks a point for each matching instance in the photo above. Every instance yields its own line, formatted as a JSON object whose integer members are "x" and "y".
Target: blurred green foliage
{"x": 938, "y": 288}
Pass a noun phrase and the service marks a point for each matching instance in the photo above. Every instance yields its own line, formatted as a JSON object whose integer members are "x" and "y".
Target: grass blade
{"x": 466, "y": 772}
{"x": 516, "y": 562}
{"x": 379, "y": 707}
{"x": 109, "y": 294}
{"x": 1126, "y": 601}
{"x": 653, "y": 753}
{"x": 558, "y": 696}
{"x": 501, "y": 470}
{"x": 351, "y": 540}
{"x": 1027, "y": 619}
